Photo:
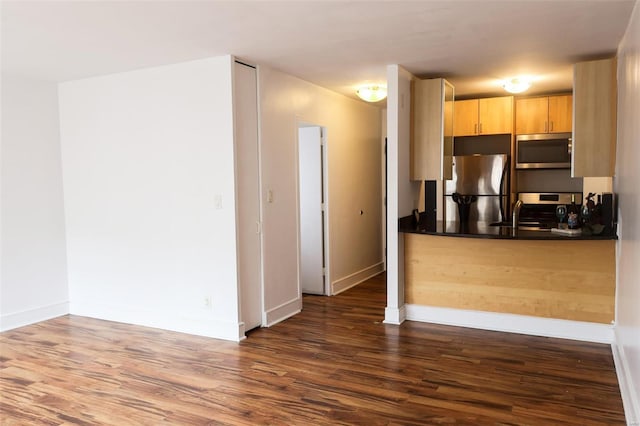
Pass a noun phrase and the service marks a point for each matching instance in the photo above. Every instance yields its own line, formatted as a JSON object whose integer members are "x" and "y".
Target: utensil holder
{"x": 463, "y": 212}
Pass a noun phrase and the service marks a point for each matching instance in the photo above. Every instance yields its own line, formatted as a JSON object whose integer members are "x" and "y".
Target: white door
{"x": 311, "y": 218}
{"x": 248, "y": 195}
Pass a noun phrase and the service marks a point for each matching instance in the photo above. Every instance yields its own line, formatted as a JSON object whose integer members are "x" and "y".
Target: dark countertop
{"x": 484, "y": 230}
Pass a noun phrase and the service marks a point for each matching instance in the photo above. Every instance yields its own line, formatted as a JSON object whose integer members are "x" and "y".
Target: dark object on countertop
{"x": 573, "y": 213}
{"x": 430, "y": 203}
{"x": 475, "y": 229}
{"x": 464, "y": 199}
{"x": 464, "y": 205}
{"x": 416, "y": 216}
{"x": 588, "y": 212}
{"x": 592, "y": 229}
{"x": 608, "y": 213}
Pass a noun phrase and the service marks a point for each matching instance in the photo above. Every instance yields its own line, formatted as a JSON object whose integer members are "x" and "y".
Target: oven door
{"x": 543, "y": 151}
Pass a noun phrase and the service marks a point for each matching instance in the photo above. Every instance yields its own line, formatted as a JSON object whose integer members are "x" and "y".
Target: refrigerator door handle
{"x": 503, "y": 190}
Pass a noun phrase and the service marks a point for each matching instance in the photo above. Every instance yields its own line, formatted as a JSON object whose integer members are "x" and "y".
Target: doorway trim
{"x": 300, "y": 122}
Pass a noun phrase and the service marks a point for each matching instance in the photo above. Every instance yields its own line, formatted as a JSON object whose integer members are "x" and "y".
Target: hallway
{"x": 334, "y": 363}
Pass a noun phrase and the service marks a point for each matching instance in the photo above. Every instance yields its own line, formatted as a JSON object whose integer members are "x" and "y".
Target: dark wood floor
{"x": 335, "y": 363}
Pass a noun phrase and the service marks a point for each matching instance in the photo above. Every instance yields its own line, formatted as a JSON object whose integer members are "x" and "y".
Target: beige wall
{"x": 627, "y": 185}
{"x": 353, "y": 143}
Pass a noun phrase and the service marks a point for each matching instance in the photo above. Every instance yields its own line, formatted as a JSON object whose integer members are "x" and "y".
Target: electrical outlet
{"x": 207, "y": 302}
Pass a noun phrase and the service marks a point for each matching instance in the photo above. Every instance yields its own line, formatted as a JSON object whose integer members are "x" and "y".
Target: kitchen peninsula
{"x": 474, "y": 266}
{"x": 491, "y": 268}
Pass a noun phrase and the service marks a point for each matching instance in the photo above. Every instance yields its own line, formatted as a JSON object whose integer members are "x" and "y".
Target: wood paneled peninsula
{"x": 492, "y": 269}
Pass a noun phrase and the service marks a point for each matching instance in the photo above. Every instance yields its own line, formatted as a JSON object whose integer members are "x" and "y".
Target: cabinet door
{"x": 560, "y": 113}
{"x": 594, "y": 136}
{"x": 465, "y": 118}
{"x": 496, "y": 115}
{"x": 447, "y": 145}
{"x": 532, "y": 115}
{"x": 427, "y": 105}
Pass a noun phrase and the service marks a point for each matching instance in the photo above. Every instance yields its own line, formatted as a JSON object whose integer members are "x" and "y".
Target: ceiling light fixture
{"x": 372, "y": 93}
{"x": 516, "y": 84}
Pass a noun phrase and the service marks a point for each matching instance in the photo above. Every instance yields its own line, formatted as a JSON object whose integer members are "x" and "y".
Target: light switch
{"x": 217, "y": 201}
{"x": 270, "y": 196}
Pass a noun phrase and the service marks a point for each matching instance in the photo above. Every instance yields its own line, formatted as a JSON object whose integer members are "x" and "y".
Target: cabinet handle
{"x": 475, "y": 129}
{"x": 551, "y": 126}
{"x": 546, "y": 125}
{"x": 480, "y": 126}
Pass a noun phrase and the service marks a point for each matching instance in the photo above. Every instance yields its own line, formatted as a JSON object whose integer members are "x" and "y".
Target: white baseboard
{"x": 395, "y": 316}
{"x": 282, "y": 312}
{"x": 32, "y": 316}
{"x": 204, "y": 325}
{"x": 242, "y": 331}
{"x": 345, "y": 283}
{"x": 522, "y": 324}
{"x": 627, "y": 388}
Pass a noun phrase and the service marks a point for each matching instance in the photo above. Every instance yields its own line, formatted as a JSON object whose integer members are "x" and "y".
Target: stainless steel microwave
{"x": 543, "y": 151}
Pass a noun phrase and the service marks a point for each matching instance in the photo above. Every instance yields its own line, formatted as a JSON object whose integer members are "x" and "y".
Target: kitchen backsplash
{"x": 548, "y": 180}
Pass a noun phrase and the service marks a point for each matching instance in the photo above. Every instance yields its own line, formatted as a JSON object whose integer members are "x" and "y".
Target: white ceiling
{"x": 335, "y": 44}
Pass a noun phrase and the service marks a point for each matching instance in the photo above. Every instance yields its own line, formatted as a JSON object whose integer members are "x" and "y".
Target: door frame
{"x": 255, "y": 225}
{"x": 300, "y": 122}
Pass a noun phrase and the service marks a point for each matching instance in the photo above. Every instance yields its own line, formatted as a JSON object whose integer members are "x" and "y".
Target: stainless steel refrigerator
{"x": 486, "y": 177}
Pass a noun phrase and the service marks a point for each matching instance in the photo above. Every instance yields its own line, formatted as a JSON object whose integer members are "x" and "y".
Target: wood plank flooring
{"x": 335, "y": 363}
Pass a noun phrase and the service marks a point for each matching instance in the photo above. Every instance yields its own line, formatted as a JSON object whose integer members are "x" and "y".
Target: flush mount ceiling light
{"x": 372, "y": 93}
{"x": 516, "y": 84}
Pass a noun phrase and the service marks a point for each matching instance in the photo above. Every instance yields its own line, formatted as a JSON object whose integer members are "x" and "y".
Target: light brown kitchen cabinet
{"x": 532, "y": 115}
{"x": 465, "y": 121}
{"x": 496, "y": 115}
{"x": 543, "y": 114}
{"x": 486, "y": 116}
{"x": 560, "y": 113}
{"x": 594, "y": 106}
{"x": 432, "y": 105}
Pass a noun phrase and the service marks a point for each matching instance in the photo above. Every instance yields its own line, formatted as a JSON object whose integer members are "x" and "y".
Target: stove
{"x": 539, "y": 209}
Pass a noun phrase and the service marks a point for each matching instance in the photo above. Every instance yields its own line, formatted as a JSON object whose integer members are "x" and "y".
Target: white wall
{"x": 310, "y": 213}
{"x": 402, "y": 194}
{"x": 383, "y": 180}
{"x": 34, "y": 274}
{"x": 353, "y": 134}
{"x": 145, "y": 156}
{"x": 627, "y": 185}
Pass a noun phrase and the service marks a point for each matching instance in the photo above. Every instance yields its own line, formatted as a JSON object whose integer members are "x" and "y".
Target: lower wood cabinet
{"x": 564, "y": 279}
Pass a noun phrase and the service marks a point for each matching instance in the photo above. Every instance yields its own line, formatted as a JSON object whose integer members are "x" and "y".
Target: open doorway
{"x": 312, "y": 212}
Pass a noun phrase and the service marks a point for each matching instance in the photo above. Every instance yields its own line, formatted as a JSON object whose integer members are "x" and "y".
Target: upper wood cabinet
{"x": 560, "y": 114}
{"x": 431, "y": 129}
{"x": 594, "y": 106}
{"x": 496, "y": 115}
{"x": 487, "y": 116}
{"x": 543, "y": 114}
{"x": 465, "y": 118}
{"x": 532, "y": 115}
